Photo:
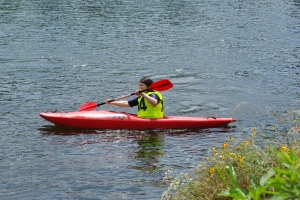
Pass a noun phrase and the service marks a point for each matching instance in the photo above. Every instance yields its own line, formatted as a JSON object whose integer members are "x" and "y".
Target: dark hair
{"x": 147, "y": 81}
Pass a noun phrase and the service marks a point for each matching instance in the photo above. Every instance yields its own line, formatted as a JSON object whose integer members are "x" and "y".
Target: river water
{"x": 225, "y": 58}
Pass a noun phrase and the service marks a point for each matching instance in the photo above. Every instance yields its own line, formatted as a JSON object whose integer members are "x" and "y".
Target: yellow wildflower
{"x": 275, "y": 127}
{"x": 201, "y": 163}
{"x": 283, "y": 148}
{"x": 231, "y": 138}
{"x": 240, "y": 148}
{"x": 220, "y": 164}
{"x": 241, "y": 163}
{"x": 253, "y": 134}
{"x": 225, "y": 145}
{"x": 212, "y": 170}
{"x": 254, "y": 129}
{"x": 216, "y": 154}
{"x": 222, "y": 157}
{"x": 212, "y": 149}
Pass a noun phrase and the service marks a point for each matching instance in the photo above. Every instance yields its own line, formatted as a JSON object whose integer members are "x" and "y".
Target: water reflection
{"x": 150, "y": 150}
{"x": 64, "y": 131}
{"x": 146, "y": 153}
{"x": 145, "y": 149}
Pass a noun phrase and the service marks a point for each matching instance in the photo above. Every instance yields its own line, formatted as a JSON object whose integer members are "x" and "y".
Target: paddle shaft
{"x": 160, "y": 86}
{"x": 122, "y": 97}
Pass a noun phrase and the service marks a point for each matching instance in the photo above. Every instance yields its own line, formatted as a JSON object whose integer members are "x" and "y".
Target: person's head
{"x": 145, "y": 83}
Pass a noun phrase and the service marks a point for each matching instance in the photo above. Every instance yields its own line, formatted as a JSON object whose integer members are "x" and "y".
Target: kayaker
{"x": 150, "y": 103}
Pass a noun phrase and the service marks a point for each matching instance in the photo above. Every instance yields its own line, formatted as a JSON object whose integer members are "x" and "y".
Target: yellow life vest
{"x": 146, "y": 110}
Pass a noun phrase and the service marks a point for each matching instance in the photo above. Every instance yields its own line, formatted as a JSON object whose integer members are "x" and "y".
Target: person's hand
{"x": 107, "y": 101}
{"x": 139, "y": 93}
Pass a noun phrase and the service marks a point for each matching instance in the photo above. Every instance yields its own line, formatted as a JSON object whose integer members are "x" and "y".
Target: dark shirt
{"x": 135, "y": 102}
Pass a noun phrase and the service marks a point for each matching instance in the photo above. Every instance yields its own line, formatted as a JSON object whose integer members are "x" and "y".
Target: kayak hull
{"x": 119, "y": 120}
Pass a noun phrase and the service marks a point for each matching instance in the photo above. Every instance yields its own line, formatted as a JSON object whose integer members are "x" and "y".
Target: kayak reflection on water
{"x": 150, "y": 151}
{"x": 147, "y": 153}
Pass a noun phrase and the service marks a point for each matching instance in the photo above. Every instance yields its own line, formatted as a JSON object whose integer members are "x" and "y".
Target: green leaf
{"x": 231, "y": 193}
{"x": 281, "y": 171}
{"x": 254, "y": 183}
{"x": 278, "y": 197}
{"x": 225, "y": 193}
{"x": 222, "y": 177}
{"x": 232, "y": 176}
{"x": 265, "y": 177}
{"x": 241, "y": 192}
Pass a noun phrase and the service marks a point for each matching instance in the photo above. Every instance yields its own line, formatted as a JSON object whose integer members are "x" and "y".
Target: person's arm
{"x": 118, "y": 103}
{"x": 150, "y": 99}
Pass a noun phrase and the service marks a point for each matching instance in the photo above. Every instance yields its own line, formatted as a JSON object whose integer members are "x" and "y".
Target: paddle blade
{"x": 161, "y": 85}
{"x": 88, "y": 106}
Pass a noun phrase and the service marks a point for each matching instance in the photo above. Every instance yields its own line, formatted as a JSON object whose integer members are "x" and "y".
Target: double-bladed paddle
{"x": 160, "y": 86}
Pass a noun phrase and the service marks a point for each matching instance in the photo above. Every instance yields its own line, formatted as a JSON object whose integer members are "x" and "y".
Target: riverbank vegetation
{"x": 263, "y": 165}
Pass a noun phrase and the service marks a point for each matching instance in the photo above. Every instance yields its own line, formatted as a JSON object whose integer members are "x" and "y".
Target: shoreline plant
{"x": 254, "y": 167}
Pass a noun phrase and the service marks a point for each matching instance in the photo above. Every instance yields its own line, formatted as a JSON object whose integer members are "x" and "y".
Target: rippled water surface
{"x": 61, "y": 54}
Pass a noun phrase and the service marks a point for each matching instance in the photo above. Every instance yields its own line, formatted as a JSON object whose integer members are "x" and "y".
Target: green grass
{"x": 265, "y": 165}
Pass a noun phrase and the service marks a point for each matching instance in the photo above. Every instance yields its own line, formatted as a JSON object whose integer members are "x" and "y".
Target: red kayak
{"x": 120, "y": 120}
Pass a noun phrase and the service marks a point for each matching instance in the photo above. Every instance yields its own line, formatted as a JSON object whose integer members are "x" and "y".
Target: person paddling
{"x": 150, "y": 103}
